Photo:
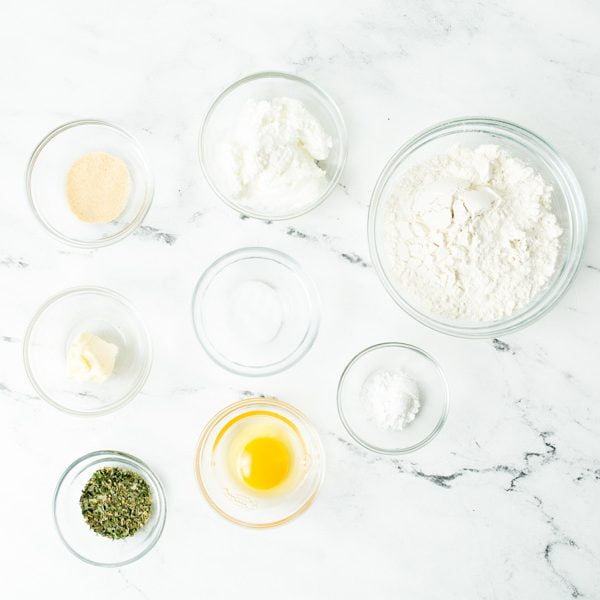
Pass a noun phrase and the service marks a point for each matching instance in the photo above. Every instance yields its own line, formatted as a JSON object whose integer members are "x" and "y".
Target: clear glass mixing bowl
{"x": 240, "y": 505}
{"x": 225, "y": 109}
{"x": 54, "y": 327}
{"x": 434, "y": 396}
{"x": 567, "y": 199}
{"x": 225, "y": 316}
{"x": 77, "y": 536}
{"x": 46, "y": 176}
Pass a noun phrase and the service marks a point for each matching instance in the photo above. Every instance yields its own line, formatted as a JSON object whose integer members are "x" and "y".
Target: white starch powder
{"x": 391, "y": 399}
{"x": 271, "y": 160}
{"x": 471, "y": 234}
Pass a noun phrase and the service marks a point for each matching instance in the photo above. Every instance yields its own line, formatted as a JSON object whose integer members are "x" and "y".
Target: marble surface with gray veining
{"x": 504, "y": 504}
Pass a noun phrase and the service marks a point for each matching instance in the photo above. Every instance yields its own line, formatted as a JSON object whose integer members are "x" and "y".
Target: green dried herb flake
{"x": 116, "y": 502}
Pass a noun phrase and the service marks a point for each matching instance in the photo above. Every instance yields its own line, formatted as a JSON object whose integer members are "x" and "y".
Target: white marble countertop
{"x": 504, "y": 503}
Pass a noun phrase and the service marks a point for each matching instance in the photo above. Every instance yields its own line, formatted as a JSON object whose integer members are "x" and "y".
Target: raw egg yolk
{"x": 264, "y": 463}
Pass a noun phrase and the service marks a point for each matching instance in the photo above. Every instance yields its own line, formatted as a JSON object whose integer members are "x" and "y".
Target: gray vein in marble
{"x": 78, "y": 252}
{"x": 344, "y": 188}
{"x": 8, "y": 339}
{"x": 251, "y": 394}
{"x": 593, "y": 474}
{"x": 154, "y": 234}
{"x": 593, "y": 268}
{"x": 500, "y": 345}
{"x": 354, "y": 259}
{"x": 350, "y": 257}
{"x": 131, "y": 585}
{"x": 544, "y": 458}
{"x": 561, "y": 540}
{"x": 575, "y": 593}
{"x": 445, "y": 481}
{"x": 14, "y": 395}
{"x": 195, "y": 217}
{"x": 11, "y": 261}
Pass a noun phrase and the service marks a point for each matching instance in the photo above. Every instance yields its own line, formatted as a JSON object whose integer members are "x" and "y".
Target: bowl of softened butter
{"x": 273, "y": 146}
{"x": 87, "y": 351}
{"x": 259, "y": 462}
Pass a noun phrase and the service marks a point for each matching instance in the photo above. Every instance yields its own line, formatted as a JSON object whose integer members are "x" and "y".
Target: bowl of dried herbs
{"x": 109, "y": 508}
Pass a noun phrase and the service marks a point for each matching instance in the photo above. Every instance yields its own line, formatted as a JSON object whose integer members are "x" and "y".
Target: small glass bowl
{"x": 250, "y": 286}
{"x": 567, "y": 199}
{"x": 433, "y": 395}
{"x": 47, "y": 173}
{"x": 223, "y": 113}
{"x": 54, "y": 327}
{"x": 77, "y": 536}
{"x": 242, "y": 507}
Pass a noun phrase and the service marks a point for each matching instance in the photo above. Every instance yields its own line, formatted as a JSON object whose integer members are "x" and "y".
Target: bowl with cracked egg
{"x": 259, "y": 462}
{"x": 476, "y": 227}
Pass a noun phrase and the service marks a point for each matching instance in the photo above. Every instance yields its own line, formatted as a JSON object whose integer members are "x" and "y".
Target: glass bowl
{"x": 239, "y": 505}
{"x": 433, "y": 395}
{"x": 54, "y": 327}
{"x": 77, "y": 536}
{"x": 222, "y": 115}
{"x": 46, "y": 179}
{"x": 567, "y": 199}
{"x": 255, "y": 311}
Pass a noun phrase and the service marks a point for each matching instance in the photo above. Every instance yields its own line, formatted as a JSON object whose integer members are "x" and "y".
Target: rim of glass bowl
{"x": 27, "y": 339}
{"x": 341, "y": 133}
{"x": 253, "y": 402}
{"x": 576, "y": 210}
{"x": 311, "y": 294}
{"x": 145, "y": 470}
{"x": 112, "y": 239}
{"x": 441, "y": 420}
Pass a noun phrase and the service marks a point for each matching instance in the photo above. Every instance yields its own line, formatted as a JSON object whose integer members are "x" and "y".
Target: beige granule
{"x": 98, "y": 185}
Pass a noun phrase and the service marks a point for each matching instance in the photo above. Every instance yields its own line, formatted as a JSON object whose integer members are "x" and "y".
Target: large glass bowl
{"x": 77, "y": 536}
{"x": 225, "y": 109}
{"x": 46, "y": 176}
{"x": 238, "y": 504}
{"x": 567, "y": 200}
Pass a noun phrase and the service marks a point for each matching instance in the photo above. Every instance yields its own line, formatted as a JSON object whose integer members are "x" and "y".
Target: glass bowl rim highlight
{"x": 310, "y": 291}
{"x": 146, "y": 471}
{"x": 341, "y": 131}
{"x": 74, "y": 291}
{"x": 574, "y": 202}
{"x": 253, "y": 402}
{"x": 116, "y": 237}
{"x": 432, "y": 434}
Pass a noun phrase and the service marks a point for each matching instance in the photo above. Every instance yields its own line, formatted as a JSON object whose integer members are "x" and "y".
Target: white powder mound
{"x": 471, "y": 234}
{"x": 391, "y": 399}
{"x": 270, "y": 161}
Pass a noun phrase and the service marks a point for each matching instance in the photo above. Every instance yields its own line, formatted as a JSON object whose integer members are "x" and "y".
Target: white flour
{"x": 270, "y": 162}
{"x": 391, "y": 399}
{"x": 471, "y": 234}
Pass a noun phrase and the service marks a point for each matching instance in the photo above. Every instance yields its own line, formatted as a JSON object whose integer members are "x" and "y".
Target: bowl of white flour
{"x": 273, "y": 146}
{"x": 476, "y": 227}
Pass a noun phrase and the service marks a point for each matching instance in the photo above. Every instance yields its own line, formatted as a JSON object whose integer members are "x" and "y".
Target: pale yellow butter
{"x": 91, "y": 359}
